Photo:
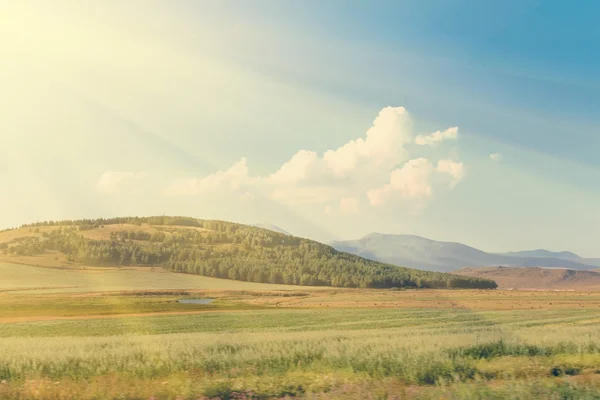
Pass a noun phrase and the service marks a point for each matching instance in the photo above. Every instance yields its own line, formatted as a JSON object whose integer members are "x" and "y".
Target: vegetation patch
{"x": 499, "y": 349}
{"x": 561, "y": 370}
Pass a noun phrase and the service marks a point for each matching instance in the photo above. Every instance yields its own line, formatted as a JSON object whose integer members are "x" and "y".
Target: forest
{"x": 227, "y": 250}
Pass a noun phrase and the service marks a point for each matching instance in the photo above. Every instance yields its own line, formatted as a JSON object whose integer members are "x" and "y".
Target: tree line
{"x": 231, "y": 251}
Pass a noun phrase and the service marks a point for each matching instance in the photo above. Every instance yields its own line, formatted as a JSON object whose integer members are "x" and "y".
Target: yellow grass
{"x": 104, "y": 232}
{"x": 100, "y": 233}
{"x": 451, "y": 299}
{"x": 51, "y": 259}
{"x": 8, "y": 236}
{"x": 25, "y": 277}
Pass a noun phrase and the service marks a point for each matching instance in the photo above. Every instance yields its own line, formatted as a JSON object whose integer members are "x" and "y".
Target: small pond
{"x": 195, "y": 301}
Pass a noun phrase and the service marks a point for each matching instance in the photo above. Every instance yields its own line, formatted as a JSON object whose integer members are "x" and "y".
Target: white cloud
{"x": 296, "y": 169}
{"x": 348, "y": 205}
{"x": 497, "y": 157}
{"x": 383, "y": 143}
{"x": 114, "y": 181}
{"x": 437, "y": 137}
{"x": 379, "y": 196}
{"x": 455, "y": 169}
{"x": 374, "y": 165}
{"x": 233, "y": 178}
{"x": 415, "y": 180}
{"x": 410, "y": 181}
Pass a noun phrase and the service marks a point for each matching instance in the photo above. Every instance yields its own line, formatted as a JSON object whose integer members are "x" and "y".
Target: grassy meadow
{"x": 28, "y": 278}
{"x": 73, "y": 338}
{"x": 302, "y": 353}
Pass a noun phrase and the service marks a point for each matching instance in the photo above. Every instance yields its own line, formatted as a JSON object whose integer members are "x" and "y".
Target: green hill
{"x": 218, "y": 249}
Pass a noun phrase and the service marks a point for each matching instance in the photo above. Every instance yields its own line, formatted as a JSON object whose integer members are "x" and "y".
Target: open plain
{"x": 89, "y": 333}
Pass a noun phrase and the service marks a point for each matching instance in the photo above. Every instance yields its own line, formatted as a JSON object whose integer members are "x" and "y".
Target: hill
{"x": 216, "y": 249}
{"x": 536, "y": 278}
{"x": 418, "y": 252}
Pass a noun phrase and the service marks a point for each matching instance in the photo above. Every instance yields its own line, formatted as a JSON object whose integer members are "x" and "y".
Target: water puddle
{"x": 195, "y": 301}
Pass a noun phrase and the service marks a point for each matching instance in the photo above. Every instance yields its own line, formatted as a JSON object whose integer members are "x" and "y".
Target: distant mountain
{"x": 561, "y": 255}
{"x": 412, "y": 250}
{"x": 273, "y": 228}
{"x": 541, "y": 253}
{"x": 418, "y": 252}
{"x": 535, "y": 278}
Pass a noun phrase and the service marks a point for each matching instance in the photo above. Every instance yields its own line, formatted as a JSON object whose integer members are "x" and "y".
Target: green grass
{"x": 32, "y": 306}
{"x": 436, "y": 322}
{"x": 16, "y": 277}
{"x": 274, "y": 352}
{"x": 239, "y": 345}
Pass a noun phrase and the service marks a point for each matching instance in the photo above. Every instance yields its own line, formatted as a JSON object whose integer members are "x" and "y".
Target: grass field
{"x": 274, "y": 353}
{"x": 122, "y": 334}
{"x": 40, "y": 279}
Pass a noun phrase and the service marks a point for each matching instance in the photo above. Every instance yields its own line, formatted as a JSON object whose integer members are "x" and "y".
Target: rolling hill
{"x": 418, "y": 252}
{"x": 536, "y": 278}
{"x": 216, "y": 249}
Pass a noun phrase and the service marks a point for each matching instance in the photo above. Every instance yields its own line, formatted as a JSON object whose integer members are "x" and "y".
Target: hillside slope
{"x": 418, "y": 252}
{"x": 536, "y": 278}
{"x": 218, "y": 249}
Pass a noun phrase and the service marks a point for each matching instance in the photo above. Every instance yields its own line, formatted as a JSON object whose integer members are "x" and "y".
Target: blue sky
{"x": 195, "y": 108}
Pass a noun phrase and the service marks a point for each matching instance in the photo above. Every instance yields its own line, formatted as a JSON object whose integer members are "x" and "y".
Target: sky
{"x": 466, "y": 121}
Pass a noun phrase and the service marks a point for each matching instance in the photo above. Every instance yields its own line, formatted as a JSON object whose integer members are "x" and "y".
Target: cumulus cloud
{"x": 379, "y": 196}
{"x": 455, "y": 169}
{"x": 437, "y": 137}
{"x": 231, "y": 179}
{"x": 415, "y": 180}
{"x": 115, "y": 181}
{"x": 496, "y": 157}
{"x": 297, "y": 168}
{"x": 410, "y": 181}
{"x": 384, "y": 143}
{"x": 375, "y": 166}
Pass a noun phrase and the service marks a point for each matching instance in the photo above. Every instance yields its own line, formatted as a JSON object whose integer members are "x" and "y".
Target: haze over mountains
{"x": 541, "y": 253}
{"x": 536, "y": 278}
{"x": 421, "y": 253}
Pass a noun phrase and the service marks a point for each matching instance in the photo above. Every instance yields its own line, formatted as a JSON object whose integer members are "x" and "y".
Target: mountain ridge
{"x": 423, "y": 253}
{"x": 536, "y": 278}
{"x": 543, "y": 253}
